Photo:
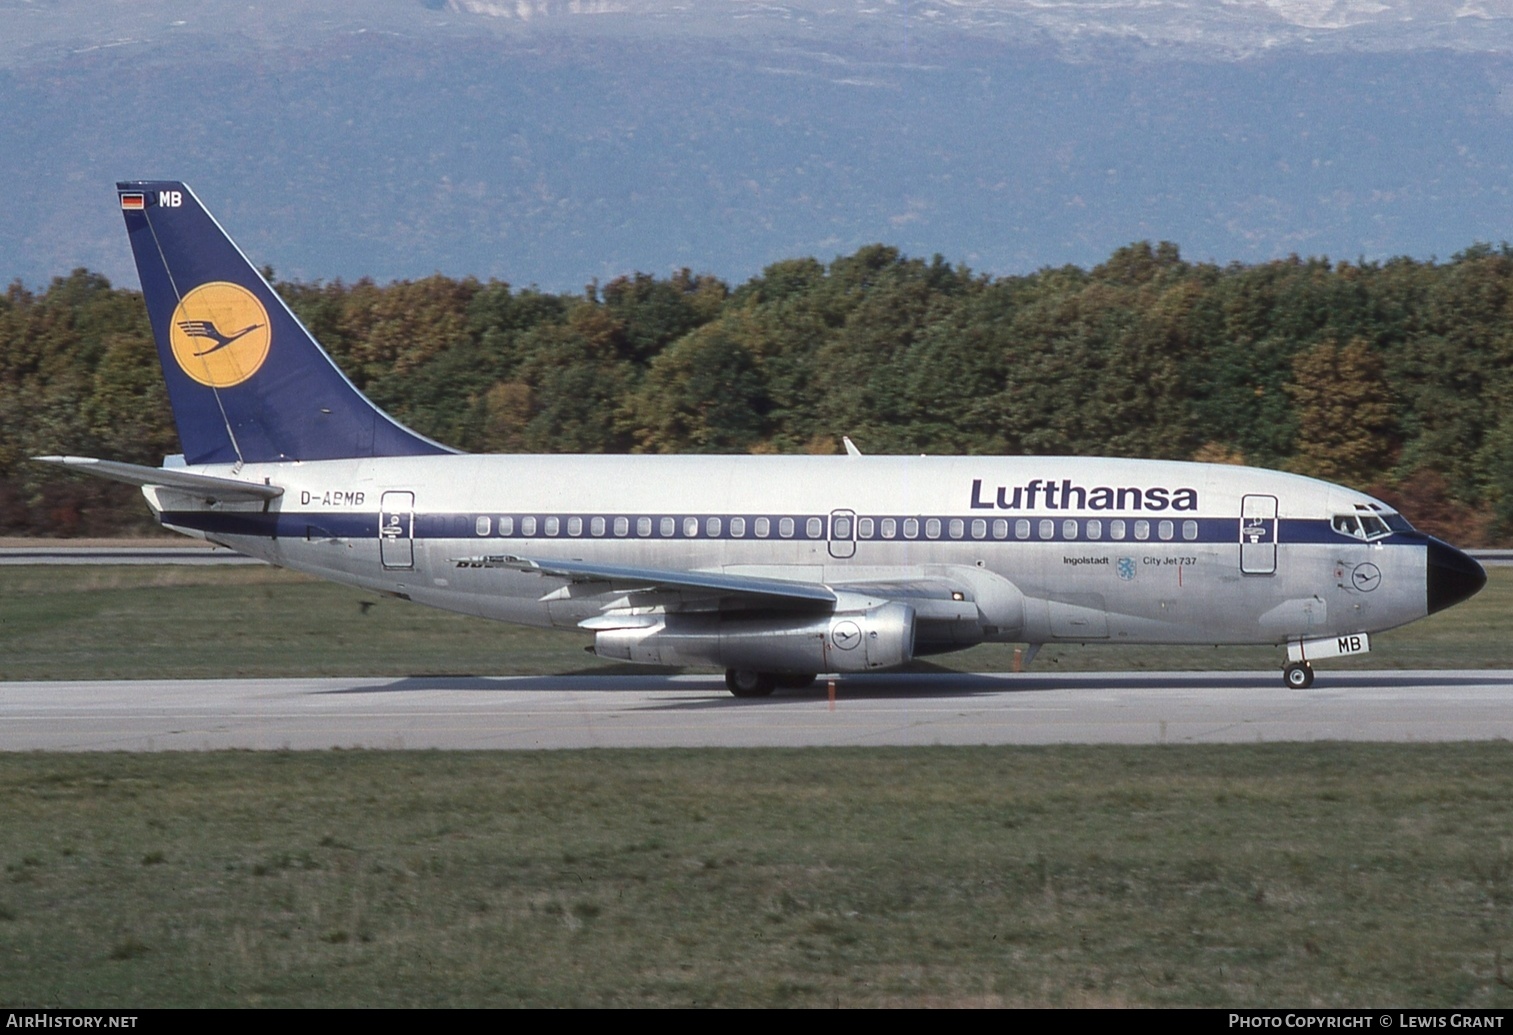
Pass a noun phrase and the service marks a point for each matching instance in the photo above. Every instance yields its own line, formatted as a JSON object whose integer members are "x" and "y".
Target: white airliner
{"x": 773, "y": 568}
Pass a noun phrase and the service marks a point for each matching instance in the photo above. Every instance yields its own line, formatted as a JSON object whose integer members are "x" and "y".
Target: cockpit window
{"x": 1367, "y": 527}
{"x": 1397, "y": 522}
{"x": 1347, "y": 524}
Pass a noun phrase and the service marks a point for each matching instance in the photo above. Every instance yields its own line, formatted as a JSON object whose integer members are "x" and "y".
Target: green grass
{"x": 1288, "y": 874}
{"x": 148, "y": 621}
{"x": 1300, "y": 875}
{"x": 130, "y": 621}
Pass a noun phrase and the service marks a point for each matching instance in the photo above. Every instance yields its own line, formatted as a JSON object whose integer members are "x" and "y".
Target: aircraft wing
{"x": 931, "y": 597}
{"x": 226, "y": 490}
{"x": 632, "y": 580}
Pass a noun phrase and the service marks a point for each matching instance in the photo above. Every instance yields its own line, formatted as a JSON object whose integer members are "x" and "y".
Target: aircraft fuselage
{"x": 1045, "y": 548}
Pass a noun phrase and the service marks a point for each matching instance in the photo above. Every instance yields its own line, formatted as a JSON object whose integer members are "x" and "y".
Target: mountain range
{"x": 563, "y": 142}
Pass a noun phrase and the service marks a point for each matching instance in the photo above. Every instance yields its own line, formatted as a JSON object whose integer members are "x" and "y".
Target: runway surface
{"x": 551, "y": 712}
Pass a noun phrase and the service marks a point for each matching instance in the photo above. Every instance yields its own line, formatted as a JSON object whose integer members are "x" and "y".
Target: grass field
{"x": 1261, "y": 875}
{"x": 130, "y": 621}
{"x": 1306, "y": 874}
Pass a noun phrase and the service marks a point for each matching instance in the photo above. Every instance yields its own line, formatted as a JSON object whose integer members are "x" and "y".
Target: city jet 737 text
{"x": 774, "y": 568}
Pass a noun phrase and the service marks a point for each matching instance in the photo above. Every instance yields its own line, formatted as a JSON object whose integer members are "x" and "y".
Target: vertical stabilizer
{"x": 247, "y": 382}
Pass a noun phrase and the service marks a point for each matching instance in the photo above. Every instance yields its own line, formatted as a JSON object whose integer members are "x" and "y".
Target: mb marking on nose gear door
{"x": 1301, "y": 653}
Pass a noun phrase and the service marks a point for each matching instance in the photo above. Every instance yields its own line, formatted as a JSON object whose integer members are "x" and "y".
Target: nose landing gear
{"x": 1298, "y": 675}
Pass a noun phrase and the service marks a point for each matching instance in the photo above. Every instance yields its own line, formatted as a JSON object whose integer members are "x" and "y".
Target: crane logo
{"x": 220, "y": 334}
{"x": 846, "y": 635}
{"x": 1366, "y": 577}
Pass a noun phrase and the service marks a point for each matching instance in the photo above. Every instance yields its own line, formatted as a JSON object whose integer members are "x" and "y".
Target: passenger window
{"x": 506, "y": 526}
{"x": 1094, "y": 528}
{"x": 865, "y": 528}
{"x": 1116, "y": 528}
{"x": 575, "y": 526}
{"x": 979, "y": 528}
{"x": 957, "y": 528}
{"x": 1069, "y": 529}
{"x": 737, "y": 527}
{"x": 785, "y": 527}
{"x": 622, "y": 526}
{"x": 553, "y": 525}
{"x": 890, "y": 528}
{"x": 690, "y": 527}
{"x": 1165, "y": 529}
{"x": 911, "y": 528}
{"x": 596, "y": 526}
{"x": 712, "y": 527}
{"x": 763, "y": 527}
{"x": 1047, "y": 528}
{"x": 1022, "y": 529}
{"x": 528, "y": 526}
{"x": 1142, "y": 530}
{"x": 932, "y": 528}
{"x": 1189, "y": 530}
{"x": 814, "y": 528}
{"x": 482, "y": 526}
{"x": 643, "y": 526}
{"x": 1000, "y": 528}
{"x": 669, "y": 528}
{"x": 840, "y": 527}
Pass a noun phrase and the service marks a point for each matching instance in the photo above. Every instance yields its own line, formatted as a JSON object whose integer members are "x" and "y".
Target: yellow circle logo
{"x": 220, "y": 334}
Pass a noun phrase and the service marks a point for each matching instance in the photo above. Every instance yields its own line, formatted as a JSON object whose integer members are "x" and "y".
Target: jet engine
{"x": 847, "y": 641}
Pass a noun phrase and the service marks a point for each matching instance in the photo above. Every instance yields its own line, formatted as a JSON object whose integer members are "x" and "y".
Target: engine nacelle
{"x": 854, "y": 641}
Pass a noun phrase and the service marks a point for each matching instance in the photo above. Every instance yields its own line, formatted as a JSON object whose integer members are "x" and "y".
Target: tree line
{"x": 1393, "y": 377}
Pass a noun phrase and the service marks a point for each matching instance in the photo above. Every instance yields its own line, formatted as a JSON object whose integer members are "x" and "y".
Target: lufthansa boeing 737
{"x": 774, "y": 568}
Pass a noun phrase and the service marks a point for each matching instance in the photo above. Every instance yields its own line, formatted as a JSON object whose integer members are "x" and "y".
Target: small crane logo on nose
{"x": 1366, "y": 577}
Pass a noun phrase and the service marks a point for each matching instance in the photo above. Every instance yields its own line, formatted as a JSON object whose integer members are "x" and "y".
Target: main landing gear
{"x": 750, "y": 684}
{"x": 1298, "y": 675}
{"x": 760, "y": 684}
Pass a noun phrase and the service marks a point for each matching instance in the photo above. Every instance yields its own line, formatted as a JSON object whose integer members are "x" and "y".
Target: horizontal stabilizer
{"x": 228, "y": 490}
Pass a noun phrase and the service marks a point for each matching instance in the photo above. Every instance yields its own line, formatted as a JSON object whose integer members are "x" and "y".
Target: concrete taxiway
{"x": 582, "y": 711}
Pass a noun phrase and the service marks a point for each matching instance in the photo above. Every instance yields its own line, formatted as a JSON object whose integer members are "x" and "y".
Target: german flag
{"x": 133, "y": 202}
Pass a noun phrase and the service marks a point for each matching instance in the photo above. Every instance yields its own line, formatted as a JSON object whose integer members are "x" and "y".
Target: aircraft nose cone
{"x": 1451, "y": 576}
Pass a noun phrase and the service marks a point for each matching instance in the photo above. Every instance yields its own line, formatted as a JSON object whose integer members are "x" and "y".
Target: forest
{"x": 1393, "y": 377}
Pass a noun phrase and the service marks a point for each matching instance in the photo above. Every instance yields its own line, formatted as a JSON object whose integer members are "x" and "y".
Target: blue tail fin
{"x": 247, "y": 382}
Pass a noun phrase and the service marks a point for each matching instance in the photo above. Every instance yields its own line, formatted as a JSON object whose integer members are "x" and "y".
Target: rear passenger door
{"x": 396, "y": 530}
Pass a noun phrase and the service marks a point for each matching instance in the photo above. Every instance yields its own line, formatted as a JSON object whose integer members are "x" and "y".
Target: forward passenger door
{"x": 1258, "y": 535}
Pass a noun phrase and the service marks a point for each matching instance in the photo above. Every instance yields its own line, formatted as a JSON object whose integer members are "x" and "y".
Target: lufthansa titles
{"x": 1037, "y": 494}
